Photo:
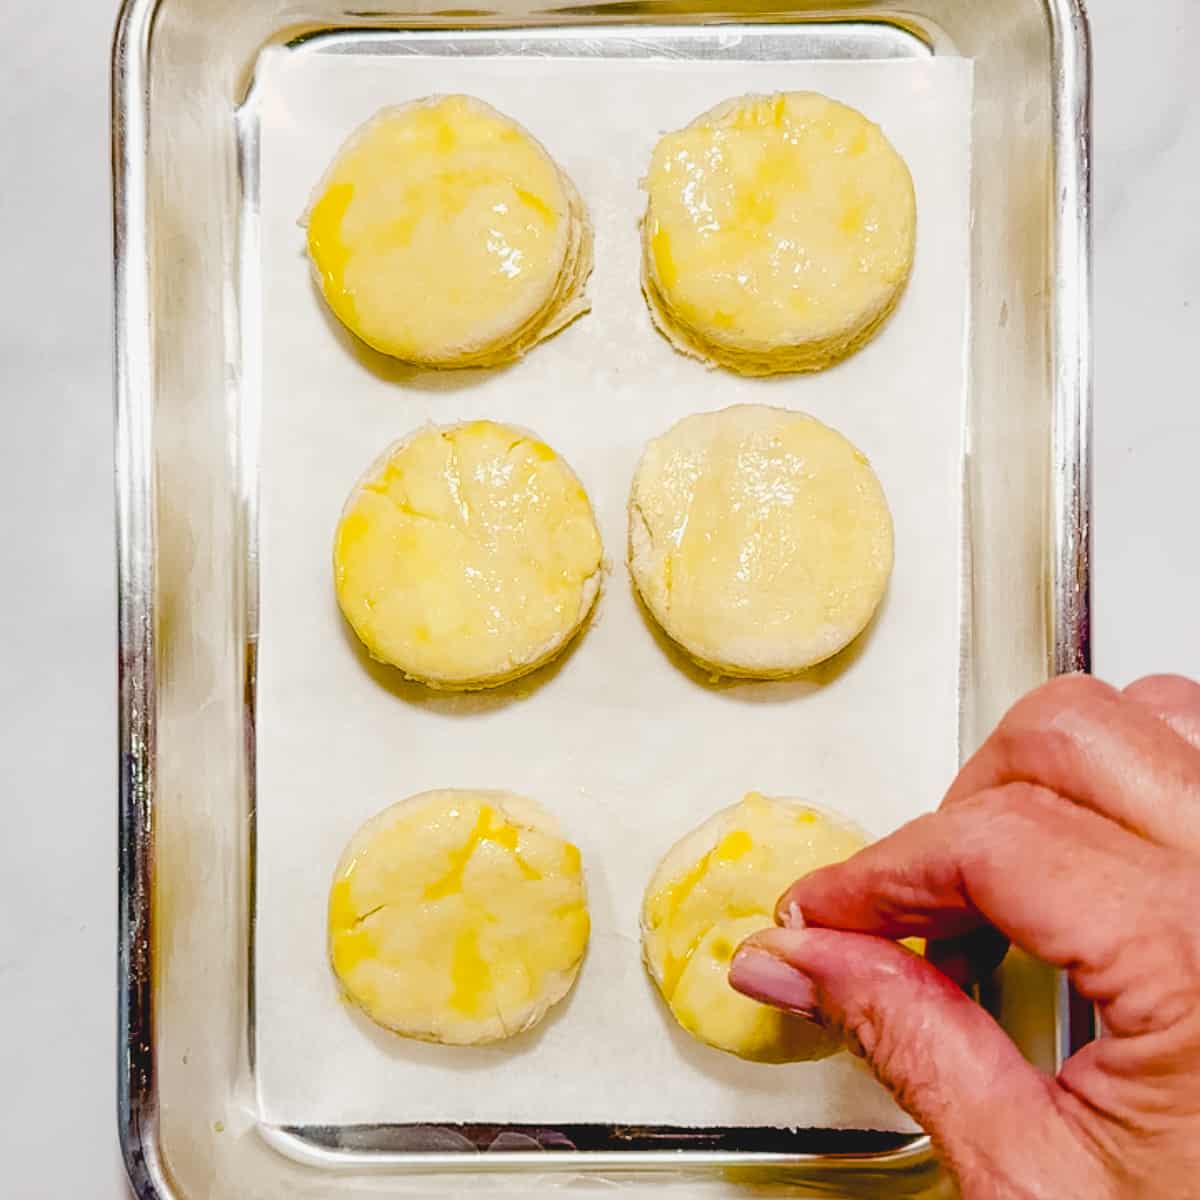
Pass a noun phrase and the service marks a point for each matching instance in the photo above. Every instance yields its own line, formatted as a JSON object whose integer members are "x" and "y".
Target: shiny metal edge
{"x": 1068, "y": 600}
{"x": 299, "y": 1149}
{"x": 1071, "y": 428}
{"x": 137, "y": 1092}
{"x": 1071, "y": 464}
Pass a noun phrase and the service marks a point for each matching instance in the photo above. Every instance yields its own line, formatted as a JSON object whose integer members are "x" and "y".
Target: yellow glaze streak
{"x": 467, "y": 556}
{"x": 444, "y": 234}
{"x": 329, "y": 251}
{"x": 471, "y": 976}
{"x": 779, "y": 232}
{"x": 701, "y": 905}
{"x": 355, "y": 942}
{"x": 664, "y": 259}
{"x": 457, "y": 916}
{"x": 734, "y": 845}
{"x": 451, "y": 883}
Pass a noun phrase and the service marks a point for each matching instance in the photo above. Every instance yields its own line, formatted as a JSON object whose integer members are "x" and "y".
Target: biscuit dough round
{"x": 717, "y": 886}
{"x": 779, "y": 233}
{"x": 443, "y": 234}
{"x": 458, "y": 916}
{"x": 759, "y": 539}
{"x": 467, "y": 555}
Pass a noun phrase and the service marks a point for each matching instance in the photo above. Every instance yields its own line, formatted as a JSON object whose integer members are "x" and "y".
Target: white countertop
{"x": 57, "y": 606}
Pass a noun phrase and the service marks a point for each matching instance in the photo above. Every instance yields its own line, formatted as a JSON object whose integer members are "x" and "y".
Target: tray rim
{"x": 1068, "y": 601}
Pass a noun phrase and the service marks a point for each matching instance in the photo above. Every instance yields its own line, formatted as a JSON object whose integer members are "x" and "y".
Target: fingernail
{"x": 770, "y": 980}
{"x": 793, "y": 918}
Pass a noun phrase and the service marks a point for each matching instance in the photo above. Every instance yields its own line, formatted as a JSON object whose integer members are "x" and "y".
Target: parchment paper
{"x": 629, "y": 745}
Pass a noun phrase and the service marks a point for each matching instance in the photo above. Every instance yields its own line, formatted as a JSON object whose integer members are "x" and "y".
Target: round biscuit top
{"x": 759, "y": 538}
{"x": 467, "y": 555}
{"x": 779, "y": 233}
{"x": 458, "y": 916}
{"x": 443, "y": 234}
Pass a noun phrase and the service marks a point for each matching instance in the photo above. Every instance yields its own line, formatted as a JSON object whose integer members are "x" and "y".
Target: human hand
{"x": 1074, "y": 832}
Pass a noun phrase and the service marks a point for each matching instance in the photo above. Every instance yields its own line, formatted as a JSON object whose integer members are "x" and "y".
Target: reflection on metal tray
{"x": 186, "y": 498}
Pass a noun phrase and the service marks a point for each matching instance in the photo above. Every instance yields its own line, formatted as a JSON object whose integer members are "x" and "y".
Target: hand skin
{"x": 1074, "y": 833}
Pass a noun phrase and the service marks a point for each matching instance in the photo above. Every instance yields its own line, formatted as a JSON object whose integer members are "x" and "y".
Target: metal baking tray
{"x": 184, "y": 179}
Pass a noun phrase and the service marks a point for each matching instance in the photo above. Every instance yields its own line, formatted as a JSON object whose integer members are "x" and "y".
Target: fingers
{"x": 992, "y": 859}
{"x": 1062, "y": 882}
{"x": 945, "y": 1060}
{"x": 1172, "y": 699}
{"x": 1103, "y": 750}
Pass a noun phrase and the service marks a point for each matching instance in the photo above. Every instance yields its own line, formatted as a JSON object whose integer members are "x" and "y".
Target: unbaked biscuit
{"x": 444, "y": 235}
{"x": 759, "y": 539}
{"x": 458, "y": 916}
{"x": 779, "y": 233}
{"x": 717, "y": 886}
{"x": 467, "y": 555}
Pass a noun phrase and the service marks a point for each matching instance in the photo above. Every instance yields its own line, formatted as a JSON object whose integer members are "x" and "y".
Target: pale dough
{"x": 458, "y": 916}
{"x": 759, "y": 539}
{"x": 716, "y": 887}
{"x": 779, "y": 233}
{"x": 444, "y": 235}
{"x": 467, "y": 555}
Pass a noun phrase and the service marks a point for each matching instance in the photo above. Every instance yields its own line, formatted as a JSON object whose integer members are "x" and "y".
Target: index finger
{"x": 1058, "y": 880}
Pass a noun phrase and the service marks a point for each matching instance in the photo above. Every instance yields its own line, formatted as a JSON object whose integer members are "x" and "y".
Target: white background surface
{"x": 57, "y": 615}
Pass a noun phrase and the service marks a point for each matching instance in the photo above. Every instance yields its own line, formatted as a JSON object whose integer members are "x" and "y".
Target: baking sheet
{"x": 621, "y": 738}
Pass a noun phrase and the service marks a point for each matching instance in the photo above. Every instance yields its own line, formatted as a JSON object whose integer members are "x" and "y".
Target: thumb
{"x": 946, "y": 1061}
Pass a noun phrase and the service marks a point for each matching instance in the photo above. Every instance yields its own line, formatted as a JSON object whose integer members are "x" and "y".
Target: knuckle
{"x": 1065, "y": 693}
{"x": 1167, "y": 696}
{"x": 898, "y": 1062}
{"x": 1181, "y": 903}
{"x": 1163, "y": 1000}
{"x": 1014, "y": 815}
{"x": 1157, "y": 973}
{"x": 1075, "y": 689}
{"x": 1164, "y": 687}
{"x": 1033, "y": 748}
{"x": 1018, "y": 804}
{"x": 895, "y": 1044}
{"x": 862, "y": 1031}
